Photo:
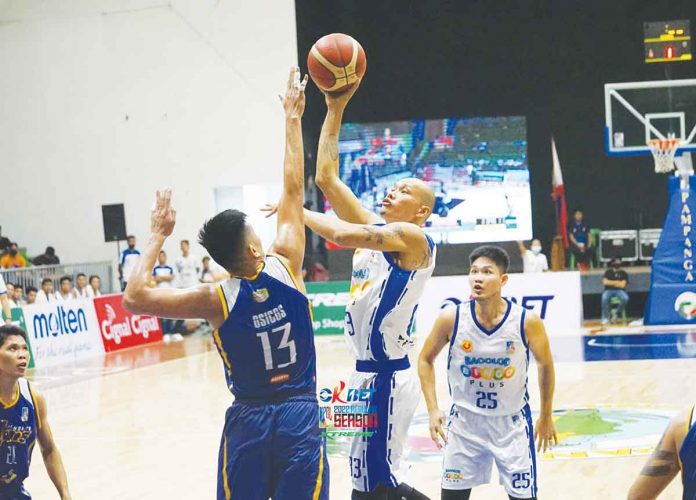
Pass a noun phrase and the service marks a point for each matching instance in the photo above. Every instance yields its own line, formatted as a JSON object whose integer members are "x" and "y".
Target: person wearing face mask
{"x": 13, "y": 258}
{"x": 533, "y": 260}
{"x": 615, "y": 282}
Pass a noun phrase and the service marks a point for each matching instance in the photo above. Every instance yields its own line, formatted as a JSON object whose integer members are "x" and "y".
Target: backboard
{"x": 637, "y": 112}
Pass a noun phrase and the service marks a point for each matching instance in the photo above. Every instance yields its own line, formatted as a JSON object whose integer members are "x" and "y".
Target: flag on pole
{"x": 558, "y": 196}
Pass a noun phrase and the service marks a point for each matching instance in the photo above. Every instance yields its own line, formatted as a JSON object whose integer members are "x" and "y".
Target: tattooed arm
{"x": 663, "y": 464}
{"x": 404, "y": 239}
{"x": 342, "y": 199}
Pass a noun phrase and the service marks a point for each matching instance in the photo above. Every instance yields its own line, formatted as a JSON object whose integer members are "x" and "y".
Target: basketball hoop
{"x": 663, "y": 150}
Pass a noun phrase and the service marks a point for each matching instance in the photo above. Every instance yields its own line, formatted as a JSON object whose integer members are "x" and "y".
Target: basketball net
{"x": 663, "y": 150}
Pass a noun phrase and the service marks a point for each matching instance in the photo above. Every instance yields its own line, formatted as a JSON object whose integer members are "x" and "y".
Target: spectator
{"x": 18, "y": 295}
{"x": 13, "y": 259}
{"x": 317, "y": 272}
{"x": 163, "y": 276}
{"x": 211, "y": 272}
{"x": 94, "y": 288}
{"x": 7, "y": 313}
{"x": 10, "y": 295}
{"x": 46, "y": 293}
{"x": 129, "y": 258}
{"x": 4, "y": 243}
{"x": 47, "y": 258}
{"x": 80, "y": 290}
{"x": 65, "y": 292}
{"x": 187, "y": 266}
{"x": 615, "y": 281}
{"x": 580, "y": 240}
{"x": 533, "y": 261}
{"x": 31, "y": 295}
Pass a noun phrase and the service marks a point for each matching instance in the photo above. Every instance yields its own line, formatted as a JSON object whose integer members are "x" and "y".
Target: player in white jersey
{"x": 393, "y": 260}
{"x": 489, "y": 339}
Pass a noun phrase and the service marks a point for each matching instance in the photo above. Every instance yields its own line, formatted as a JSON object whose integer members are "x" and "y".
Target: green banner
{"x": 329, "y": 299}
{"x": 18, "y": 319}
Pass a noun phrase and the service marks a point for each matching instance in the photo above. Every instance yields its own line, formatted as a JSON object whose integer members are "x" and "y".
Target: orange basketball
{"x": 336, "y": 62}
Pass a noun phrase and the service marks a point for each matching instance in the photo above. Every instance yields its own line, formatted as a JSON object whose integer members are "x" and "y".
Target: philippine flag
{"x": 558, "y": 196}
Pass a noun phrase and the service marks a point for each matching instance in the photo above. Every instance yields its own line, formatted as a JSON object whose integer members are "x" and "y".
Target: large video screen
{"x": 476, "y": 166}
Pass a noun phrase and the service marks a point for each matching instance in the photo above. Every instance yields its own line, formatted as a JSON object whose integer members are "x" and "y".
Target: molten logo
{"x": 467, "y": 346}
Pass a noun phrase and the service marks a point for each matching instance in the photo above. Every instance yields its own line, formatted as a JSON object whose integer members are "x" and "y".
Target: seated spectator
{"x": 211, "y": 272}
{"x": 580, "y": 241}
{"x": 94, "y": 288}
{"x": 615, "y": 282}
{"x": 81, "y": 286}
{"x": 46, "y": 293}
{"x": 65, "y": 292}
{"x": 10, "y": 295}
{"x": 533, "y": 261}
{"x": 31, "y": 295}
{"x": 317, "y": 272}
{"x": 18, "y": 295}
{"x": 6, "y": 312}
{"x": 12, "y": 259}
{"x": 47, "y": 258}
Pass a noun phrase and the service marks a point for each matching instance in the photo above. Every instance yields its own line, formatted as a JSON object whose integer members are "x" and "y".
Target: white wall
{"x": 105, "y": 101}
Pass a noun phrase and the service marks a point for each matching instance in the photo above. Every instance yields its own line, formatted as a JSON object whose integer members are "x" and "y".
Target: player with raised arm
{"x": 271, "y": 444}
{"x": 489, "y": 340}
{"x": 393, "y": 260}
{"x": 675, "y": 452}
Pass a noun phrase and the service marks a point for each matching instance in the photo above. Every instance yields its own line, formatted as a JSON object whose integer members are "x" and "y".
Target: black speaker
{"x": 114, "y": 222}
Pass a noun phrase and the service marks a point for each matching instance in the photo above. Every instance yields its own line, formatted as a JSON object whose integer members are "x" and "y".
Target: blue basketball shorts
{"x": 273, "y": 450}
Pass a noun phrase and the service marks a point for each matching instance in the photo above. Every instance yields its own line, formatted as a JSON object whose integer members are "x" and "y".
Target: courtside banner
{"x": 555, "y": 297}
{"x": 61, "y": 332}
{"x": 18, "y": 320}
{"x": 121, "y": 329}
{"x": 329, "y": 299}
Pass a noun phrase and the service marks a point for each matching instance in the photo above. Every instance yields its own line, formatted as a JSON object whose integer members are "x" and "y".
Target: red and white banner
{"x": 121, "y": 329}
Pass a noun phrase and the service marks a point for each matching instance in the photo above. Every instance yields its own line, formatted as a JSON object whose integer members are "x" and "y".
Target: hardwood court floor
{"x": 145, "y": 423}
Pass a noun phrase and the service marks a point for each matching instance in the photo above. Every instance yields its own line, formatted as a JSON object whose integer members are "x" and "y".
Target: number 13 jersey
{"x": 487, "y": 369}
{"x": 267, "y": 340}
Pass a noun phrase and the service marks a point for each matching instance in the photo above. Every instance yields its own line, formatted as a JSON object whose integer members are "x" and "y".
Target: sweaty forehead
{"x": 483, "y": 263}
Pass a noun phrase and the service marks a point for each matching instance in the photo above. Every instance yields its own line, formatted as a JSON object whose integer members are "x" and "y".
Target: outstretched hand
{"x": 340, "y": 100}
{"x": 294, "y": 100}
{"x": 163, "y": 216}
{"x": 270, "y": 208}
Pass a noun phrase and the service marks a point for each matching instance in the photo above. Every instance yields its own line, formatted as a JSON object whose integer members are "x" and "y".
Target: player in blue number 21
{"x": 489, "y": 340}
{"x": 271, "y": 445}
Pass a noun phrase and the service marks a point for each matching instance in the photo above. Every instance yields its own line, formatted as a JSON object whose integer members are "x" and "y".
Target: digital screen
{"x": 667, "y": 41}
{"x": 477, "y": 168}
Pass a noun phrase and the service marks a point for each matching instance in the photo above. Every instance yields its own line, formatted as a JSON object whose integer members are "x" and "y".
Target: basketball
{"x": 336, "y": 62}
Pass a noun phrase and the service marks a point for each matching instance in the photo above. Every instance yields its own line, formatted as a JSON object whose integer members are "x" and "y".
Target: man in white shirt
{"x": 94, "y": 288}
{"x": 81, "y": 288}
{"x": 65, "y": 292}
{"x": 188, "y": 267}
{"x": 46, "y": 294}
{"x": 533, "y": 261}
{"x": 129, "y": 258}
{"x": 10, "y": 295}
{"x": 4, "y": 302}
{"x": 163, "y": 276}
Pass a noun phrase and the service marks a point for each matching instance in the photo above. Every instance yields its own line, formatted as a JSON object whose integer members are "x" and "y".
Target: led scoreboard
{"x": 667, "y": 41}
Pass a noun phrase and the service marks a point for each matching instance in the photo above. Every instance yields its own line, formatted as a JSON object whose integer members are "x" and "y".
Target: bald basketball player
{"x": 393, "y": 260}
{"x": 675, "y": 452}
